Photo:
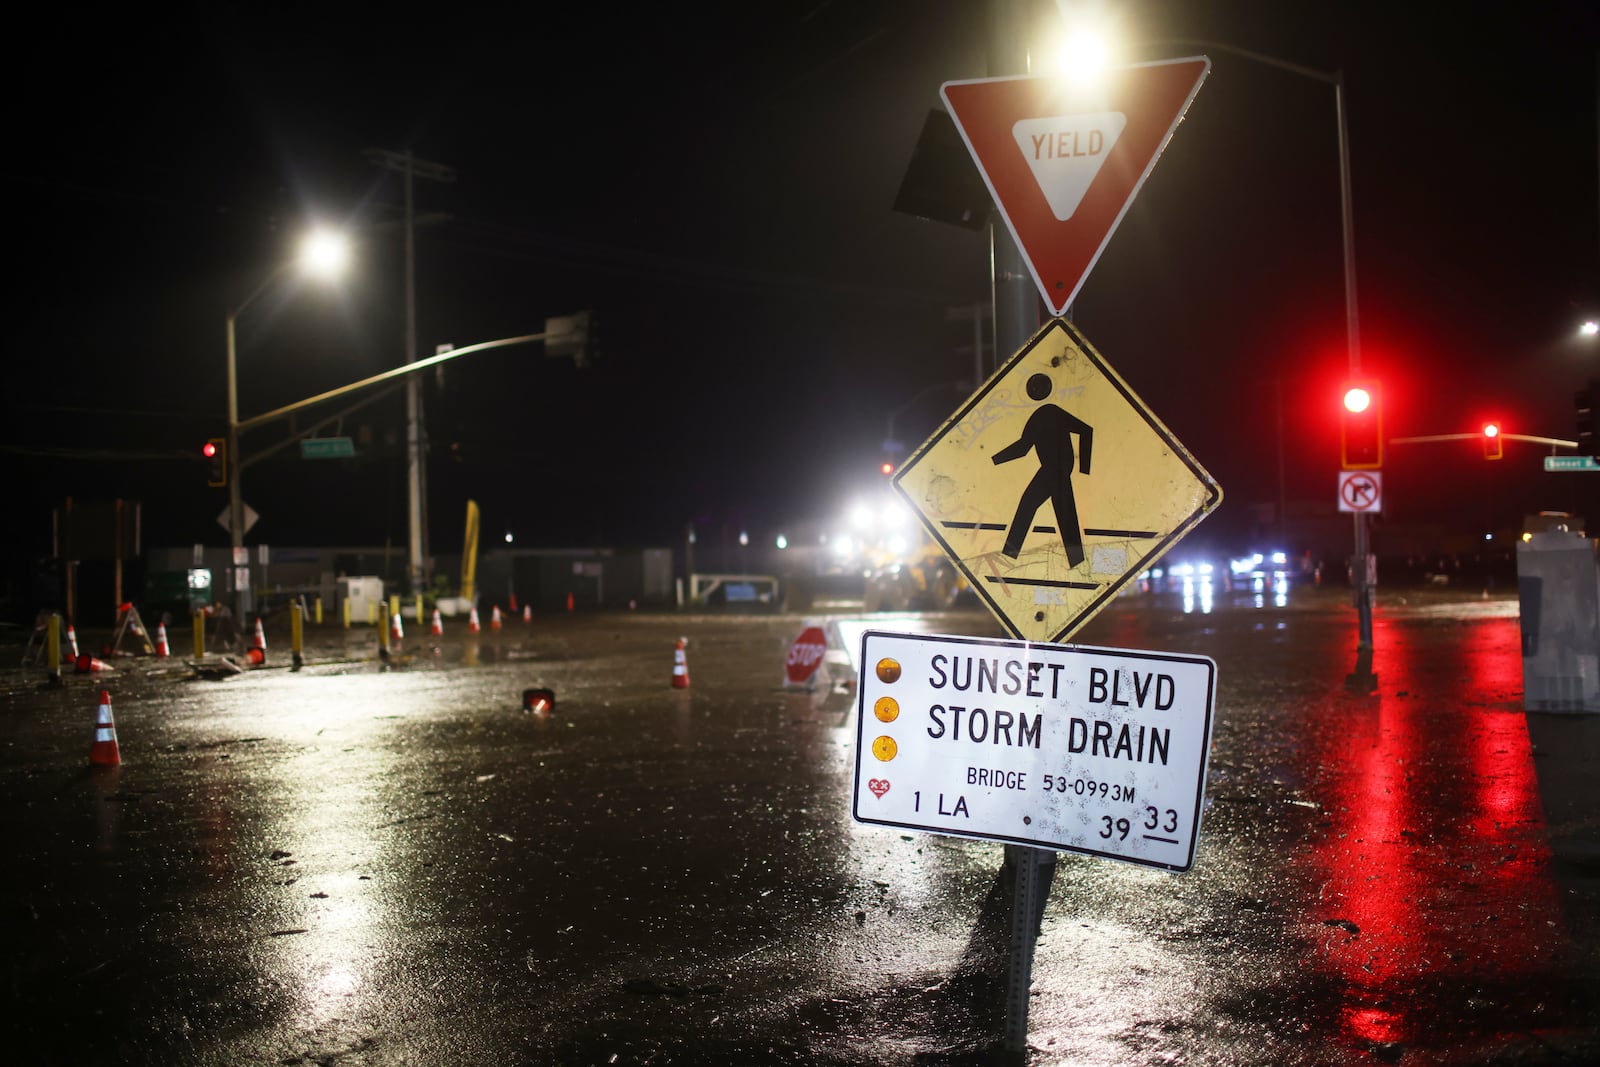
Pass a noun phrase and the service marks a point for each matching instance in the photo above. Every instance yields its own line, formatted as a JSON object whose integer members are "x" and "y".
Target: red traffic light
{"x": 1493, "y": 445}
{"x": 216, "y": 453}
{"x": 886, "y": 467}
{"x": 1361, "y": 427}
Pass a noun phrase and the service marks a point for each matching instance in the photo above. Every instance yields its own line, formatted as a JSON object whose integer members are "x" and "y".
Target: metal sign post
{"x": 1051, "y": 544}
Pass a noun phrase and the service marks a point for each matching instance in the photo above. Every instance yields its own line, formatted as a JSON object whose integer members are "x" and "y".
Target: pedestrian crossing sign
{"x": 1054, "y": 486}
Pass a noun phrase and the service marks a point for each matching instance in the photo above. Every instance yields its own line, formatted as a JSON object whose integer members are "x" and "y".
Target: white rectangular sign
{"x": 1101, "y": 751}
{"x": 1361, "y": 491}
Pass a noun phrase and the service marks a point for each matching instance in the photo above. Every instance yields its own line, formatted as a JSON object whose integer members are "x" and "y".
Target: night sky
{"x": 717, "y": 186}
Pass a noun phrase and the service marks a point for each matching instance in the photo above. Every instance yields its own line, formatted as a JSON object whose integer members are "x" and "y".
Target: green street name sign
{"x": 1571, "y": 463}
{"x": 327, "y": 448}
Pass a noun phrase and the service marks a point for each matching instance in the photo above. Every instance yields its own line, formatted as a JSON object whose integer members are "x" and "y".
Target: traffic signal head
{"x": 1585, "y": 404}
{"x": 1361, "y": 427}
{"x": 216, "y": 453}
{"x": 1493, "y": 446}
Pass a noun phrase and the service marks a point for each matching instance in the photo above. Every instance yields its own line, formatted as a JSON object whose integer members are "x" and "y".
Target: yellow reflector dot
{"x": 887, "y": 709}
{"x": 885, "y": 748}
{"x": 888, "y": 670}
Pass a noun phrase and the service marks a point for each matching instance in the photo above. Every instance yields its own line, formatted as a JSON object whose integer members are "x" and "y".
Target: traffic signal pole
{"x": 1362, "y": 549}
{"x": 1362, "y": 676}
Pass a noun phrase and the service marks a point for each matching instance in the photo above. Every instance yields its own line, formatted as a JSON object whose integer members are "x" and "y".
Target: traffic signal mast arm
{"x": 1554, "y": 442}
{"x": 410, "y": 368}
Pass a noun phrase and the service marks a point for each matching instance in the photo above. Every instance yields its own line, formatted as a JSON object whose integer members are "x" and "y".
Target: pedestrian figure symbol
{"x": 1048, "y": 434}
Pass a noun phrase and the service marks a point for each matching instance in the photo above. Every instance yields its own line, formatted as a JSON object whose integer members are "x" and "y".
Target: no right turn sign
{"x": 1360, "y": 491}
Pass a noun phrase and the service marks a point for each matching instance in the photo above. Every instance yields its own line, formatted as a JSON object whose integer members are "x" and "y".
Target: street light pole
{"x": 241, "y": 589}
{"x": 1360, "y": 577}
{"x": 241, "y": 597}
{"x": 324, "y": 253}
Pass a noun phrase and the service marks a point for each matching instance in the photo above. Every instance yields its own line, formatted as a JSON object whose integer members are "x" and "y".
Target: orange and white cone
{"x": 437, "y": 628}
{"x": 87, "y": 664}
{"x": 680, "y": 666}
{"x": 72, "y": 643}
{"x": 258, "y": 648}
{"x": 527, "y": 613}
{"x": 494, "y": 617}
{"x": 162, "y": 648}
{"x": 472, "y": 620}
{"x": 397, "y": 632}
{"x": 105, "y": 752}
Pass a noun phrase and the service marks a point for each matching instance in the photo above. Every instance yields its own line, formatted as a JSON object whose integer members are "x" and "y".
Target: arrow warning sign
{"x": 1064, "y": 161}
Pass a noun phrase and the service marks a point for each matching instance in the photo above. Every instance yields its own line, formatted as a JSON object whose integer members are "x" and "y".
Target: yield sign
{"x": 1063, "y": 161}
{"x": 1054, "y": 485}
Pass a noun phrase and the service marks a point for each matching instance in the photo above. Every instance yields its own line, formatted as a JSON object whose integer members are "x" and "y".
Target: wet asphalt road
{"x": 359, "y": 864}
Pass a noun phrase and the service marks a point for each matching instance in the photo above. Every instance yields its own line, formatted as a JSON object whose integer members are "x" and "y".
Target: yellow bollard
{"x": 419, "y": 612}
{"x": 394, "y": 606}
{"x": 319, "y": 611}
{"x": 347, "y": 613}
{"x": 199, "y": 635}
{"x": 53, "y": 647}
{"x": 383, "y": 642}
{"x": 372, "y": 613}
{"x": 297, "y": 627}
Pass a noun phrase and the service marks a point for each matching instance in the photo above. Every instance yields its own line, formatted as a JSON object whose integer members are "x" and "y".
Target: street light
{"x": 323, "y": 254}
{"x": 1082, "y": 55}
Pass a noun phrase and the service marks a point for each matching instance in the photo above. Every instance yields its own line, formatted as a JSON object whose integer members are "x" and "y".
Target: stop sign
{"x": 805, "y": 655}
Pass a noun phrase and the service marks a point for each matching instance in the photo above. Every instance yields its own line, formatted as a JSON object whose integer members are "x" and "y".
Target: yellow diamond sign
{"x": 1053, "y": 486}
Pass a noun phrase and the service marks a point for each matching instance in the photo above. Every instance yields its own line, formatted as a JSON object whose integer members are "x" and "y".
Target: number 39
{"x": 1119, "y": 827}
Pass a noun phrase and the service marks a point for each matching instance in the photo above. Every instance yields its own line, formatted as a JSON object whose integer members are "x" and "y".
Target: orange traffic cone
{"x": 494, "y": 617}
{"x": 162, "y": 649}
{"x": 438, "y": 624}
{"x": 258, "y": 649}
{"x": 105, "y": 752}
{"x": 472, "y": 620}
{"x": 680, "y": 666}
{"x": 72, "y": 643}
{"x": 527, "y": 613}
{"x": 513, "y": 602}
{"x": 397, "y": 632}
{"x": 86, "y": 664}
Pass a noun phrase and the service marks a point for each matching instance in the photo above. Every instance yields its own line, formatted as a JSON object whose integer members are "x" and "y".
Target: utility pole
{"x": 416, "y": 475}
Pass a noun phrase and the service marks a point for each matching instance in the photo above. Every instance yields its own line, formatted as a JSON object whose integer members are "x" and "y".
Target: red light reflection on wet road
{"x": 1435, "y": 865}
